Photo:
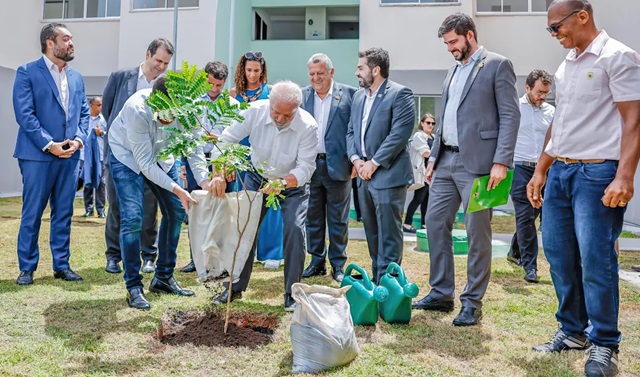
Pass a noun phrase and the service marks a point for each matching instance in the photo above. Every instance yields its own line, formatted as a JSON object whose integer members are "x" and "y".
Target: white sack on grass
{"x": 214, "y": 226}
{"x": 322, "y": 333}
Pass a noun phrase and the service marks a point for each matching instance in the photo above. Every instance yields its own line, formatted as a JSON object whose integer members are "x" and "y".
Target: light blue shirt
{"x": 534, "y": 122}
{"x": 456, "y": 87}
{"x": 216, "y": 130}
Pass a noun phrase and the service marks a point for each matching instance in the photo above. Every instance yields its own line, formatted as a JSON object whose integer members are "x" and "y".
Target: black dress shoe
{"x": 314, "y": 270}
{"x": 101, "y": 215}
{"x": 191, "y": 267}
{"x": 136, "y": 299}
{"x": 222, "y": 298}
{"x": 113, "y": 267}
{"x": 148, "y": 266}
{"x": 409, "y": 229}
{"x": 430, "y": 303}
{"x": 531, "y": 276}
{"x": 289, "y": 303}
{"x": 468, "y": 316}
{"x": 337, "y": 274}
{"x": 25, "y": 278}
{"x": 88, "y": 214}
{"x": 170, "y": 286}
{"x": 67, "y": 275}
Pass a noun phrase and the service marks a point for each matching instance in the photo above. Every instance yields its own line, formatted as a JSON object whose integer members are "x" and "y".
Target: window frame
{"x": 418, "y": 3}
{"x": 502, "y": 13}
{"x": 84, "y": 12}
{"x": 166, "y": 7}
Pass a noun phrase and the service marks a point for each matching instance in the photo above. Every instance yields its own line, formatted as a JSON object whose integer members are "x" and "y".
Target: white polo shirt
{"x": 587, "y": 123}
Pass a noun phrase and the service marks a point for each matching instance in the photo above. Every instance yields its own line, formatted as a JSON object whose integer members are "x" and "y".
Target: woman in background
{"x": 422, "y": 140}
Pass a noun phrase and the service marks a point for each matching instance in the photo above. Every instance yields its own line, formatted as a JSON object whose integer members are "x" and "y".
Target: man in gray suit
{"x": 477, "y": 137}
{"x": 121, "y": 85}
{"x": 382, "y": 119}
{"x": 330, "y": 187}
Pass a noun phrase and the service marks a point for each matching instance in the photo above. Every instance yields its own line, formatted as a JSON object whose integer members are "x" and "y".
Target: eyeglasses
{"x": 431, "y": 123}
{"x": 540, "y": 93}
{"x": 253, "y": 55}
{"x": 555, "y": 27}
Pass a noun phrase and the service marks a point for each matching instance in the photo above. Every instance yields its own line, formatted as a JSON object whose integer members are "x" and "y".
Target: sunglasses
{"x": 555, "y": 27}
{"x": 431, "y": 123}
{"x": 253, "y": 55}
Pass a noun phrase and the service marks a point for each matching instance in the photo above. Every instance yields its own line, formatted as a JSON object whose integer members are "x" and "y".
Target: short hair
{"x": 574, "y": 5}
{"x": 461, "y": 23}
{"x": 156, "y": 43}
{"x": 377, "y": 56}
{"x": 321, "y": 58}
{"x": 217, "y": 69}
{"x": 93, "y": 99}
{"x": 160, "y": 85}
{"x": 240, "y": 79}
{"x": 538, "y": 74}
{"x": 286, "y": 91}
{"x": 49, "y": 32}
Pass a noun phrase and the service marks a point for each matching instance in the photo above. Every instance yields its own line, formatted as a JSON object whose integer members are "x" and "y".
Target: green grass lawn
{"x": 56, "y": 328}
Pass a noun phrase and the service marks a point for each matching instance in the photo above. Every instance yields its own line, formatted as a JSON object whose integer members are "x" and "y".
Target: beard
{"x": 532, "y": 101}
{"x": 465, "y": 52}
{"x": 62, "y": 54}
{"x": 366, "y": 81}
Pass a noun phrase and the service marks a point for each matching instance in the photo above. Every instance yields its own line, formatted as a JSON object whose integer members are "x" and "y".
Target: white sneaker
{"x": 272, "y": 264}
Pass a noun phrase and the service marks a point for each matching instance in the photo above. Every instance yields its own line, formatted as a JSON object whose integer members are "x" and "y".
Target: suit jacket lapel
{"x": 71, "y": 84}
{"x": 447, "y": 83}
{"x": 133, "y": 81}
{"x": 476, "y": 69}
{"x": 47, "y": 77}
{"x": 335, "y": 101}
{"x": 376, "y": 101}
{"x": 309, "y": 101}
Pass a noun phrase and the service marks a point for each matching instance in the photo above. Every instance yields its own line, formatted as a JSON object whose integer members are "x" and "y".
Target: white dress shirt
{"x": 60, "y": 78}
{"x": 587, "y": 123}
{"x": 142, "y": 80}
{"x": 321, "y": 110}
{"x": 534, "y": 122}
{"x": 135, "y": 140}
{"x": 368, "y": 103}
{"x": 279, "y": 152}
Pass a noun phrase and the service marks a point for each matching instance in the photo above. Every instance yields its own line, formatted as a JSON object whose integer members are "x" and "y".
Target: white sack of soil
{"x": 214, "y": 229}
{"x": 322, "y": 333}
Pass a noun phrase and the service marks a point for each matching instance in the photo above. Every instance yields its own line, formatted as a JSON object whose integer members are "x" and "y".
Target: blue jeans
{"x": 578, "y": 235}
{"x": 130, "y": 194}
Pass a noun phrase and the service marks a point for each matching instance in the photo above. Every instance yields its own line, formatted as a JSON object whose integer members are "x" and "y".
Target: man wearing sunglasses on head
{"x": 591, "y": 155}
{"x": 535, "y": 117}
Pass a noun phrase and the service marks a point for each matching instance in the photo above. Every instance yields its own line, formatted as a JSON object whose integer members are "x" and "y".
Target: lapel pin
{"x": 337, "y": 96}
{"x": 481, "y": 65}
{"x": 590, "y": 75}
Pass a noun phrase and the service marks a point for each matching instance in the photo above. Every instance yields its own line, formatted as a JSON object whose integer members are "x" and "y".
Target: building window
{"x": 403, "y": 2}
{"x": 507, "y": 6}
{"x": 67, "y": 9}
{"x": 164, "y": 4}
{"x": 299, "y": 23}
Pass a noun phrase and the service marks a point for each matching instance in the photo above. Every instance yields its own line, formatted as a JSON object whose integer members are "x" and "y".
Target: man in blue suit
{"x": 120, "y": 86}
{"x": 330, "y": 187}
{"x": 382, "y": 120}
{"x": 52, "y": 111}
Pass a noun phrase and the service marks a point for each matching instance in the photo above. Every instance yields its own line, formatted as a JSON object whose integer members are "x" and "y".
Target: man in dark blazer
{"x": 382, "y": 120}
{"x": 121, "y": 85}
{"x": 477, "y": 137}
{"x": 52, "y": 111}
{"x": 330, "y": 187}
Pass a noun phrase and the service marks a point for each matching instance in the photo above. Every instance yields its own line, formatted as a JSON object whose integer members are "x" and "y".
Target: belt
{"x": 583, "y": 161}
{"x": 526, "y": 163}
{"x": 321, "y": 156}
{"x": 451, "y": 148}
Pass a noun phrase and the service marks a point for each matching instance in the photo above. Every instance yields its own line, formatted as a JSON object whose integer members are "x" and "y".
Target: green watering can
{"x": 363, "y": 296}
{"x": 397, "y": 309}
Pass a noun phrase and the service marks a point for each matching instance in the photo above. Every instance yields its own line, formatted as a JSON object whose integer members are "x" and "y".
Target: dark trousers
{"x": 328, "y": 208}
{"x": 149, "y": 235}
{"x": 420, "y": 198}
{"x": 526, "y": 236}
{"x": 354, "y": 192}
{"x": 100, "y": 196}
{"x": 294, "y": 213}
{"x": 130, "y": 192}
{"x": 43, "y": 182}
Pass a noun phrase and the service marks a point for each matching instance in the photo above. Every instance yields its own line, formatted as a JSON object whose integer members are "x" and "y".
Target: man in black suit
{"x": 330, "y": 104}
{"x": 382, "y": 119}
{"x": 121, "y": 85}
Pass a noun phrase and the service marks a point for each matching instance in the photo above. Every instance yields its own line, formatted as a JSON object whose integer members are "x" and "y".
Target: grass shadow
{"x": 95, "y": 365}
{"x": 83, "y": 324}
{"x": 558, "y": 365}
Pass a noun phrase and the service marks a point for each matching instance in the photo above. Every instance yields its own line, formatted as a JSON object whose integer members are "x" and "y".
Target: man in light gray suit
{"x": 382, "y": 120}
{"x": 121, "y": 85}
{"x": 477, "y": 137}
{"x": 330, "y": 187}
